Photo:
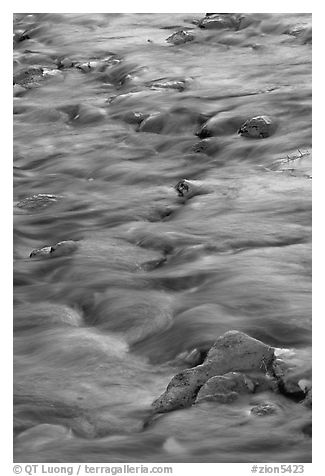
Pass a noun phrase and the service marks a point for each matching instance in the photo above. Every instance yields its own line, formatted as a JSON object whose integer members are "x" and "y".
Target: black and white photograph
{"x": 162, "y": 240}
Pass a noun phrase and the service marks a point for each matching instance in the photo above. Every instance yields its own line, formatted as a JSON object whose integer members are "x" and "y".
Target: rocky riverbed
{"x": 162, "y": 237}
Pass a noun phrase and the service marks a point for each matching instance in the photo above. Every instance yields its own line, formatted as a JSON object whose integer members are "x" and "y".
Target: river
{"x": 155, "y": 279}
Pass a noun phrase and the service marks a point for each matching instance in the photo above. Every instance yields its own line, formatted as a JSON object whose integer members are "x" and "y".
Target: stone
{"x": 41, "y": 200}
{"x": 264, "y": 409}
{"x": 236, "y": 351}
{"x": 30, "y": 77}
{"x": 187, "y": 189}
{"x": 63, "y": 248}
{"x": 180, "y": 37}
{"x": 182, "y": 390}
{"x": 226, "y": 388}
{"x": 232, "y": 352}
{"x": 218, "y": 21}
{"x": 258, "y": 127}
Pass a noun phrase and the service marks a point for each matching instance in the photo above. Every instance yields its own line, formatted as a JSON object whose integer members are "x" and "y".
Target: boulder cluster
{"x": 236, "y": 365}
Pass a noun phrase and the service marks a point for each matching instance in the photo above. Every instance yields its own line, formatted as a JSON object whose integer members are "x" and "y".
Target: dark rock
{"x": 190, "y": 188}
{"x": 258, "y": 127}
{"x": 232, "y": 352}
{"x": 180, "y": 37}
{"x": 264, "y": 409}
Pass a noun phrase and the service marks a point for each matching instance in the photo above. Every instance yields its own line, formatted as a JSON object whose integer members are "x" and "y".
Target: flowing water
{"x": 155, "y": 278}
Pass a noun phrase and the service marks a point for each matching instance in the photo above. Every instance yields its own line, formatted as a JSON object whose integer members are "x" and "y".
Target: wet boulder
{"x": 180, "y": 37}
{"x": 232, "y": 352}
{"x": 63, "y": 248}
{"x": 225, "y": 388}
{"x": 258, "y": 127}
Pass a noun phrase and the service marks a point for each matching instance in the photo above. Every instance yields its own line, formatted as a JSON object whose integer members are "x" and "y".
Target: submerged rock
{"x": 63, "y": 248}
{"x": 258, "y": 127}
{"x": 65, "y": 63}
{"x": 134, "y": 117}
{"x": 180, "y": 37}
{"x": 232, "y": 352}
{"x": 154, "y": 123}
